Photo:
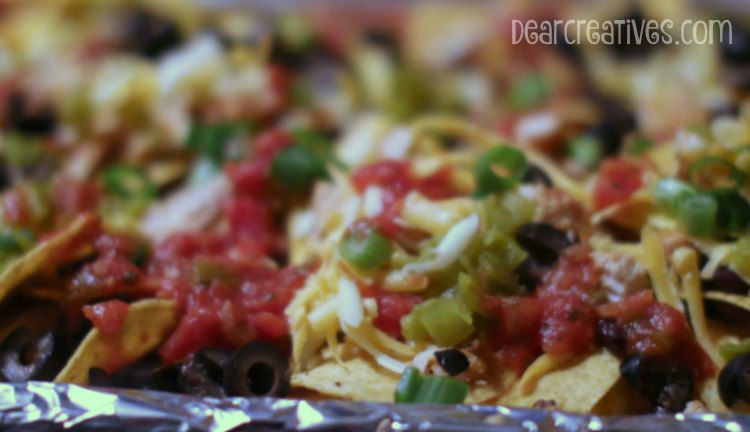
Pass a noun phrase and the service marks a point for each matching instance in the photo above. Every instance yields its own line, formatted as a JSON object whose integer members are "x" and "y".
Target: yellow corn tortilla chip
{"x": 354, "y": 379}
{"x": 43, "y": 254}
{"x": 576, "y": 386}
{"x": 147, "y": 324}
{"x": 709, "y": 394}
{"x": 359, "y": 380}
{"x": 734, "y": 299}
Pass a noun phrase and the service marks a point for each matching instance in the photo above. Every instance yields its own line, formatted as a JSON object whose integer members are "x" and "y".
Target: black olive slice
{"x": 25, "y": 356}
{"x": 543, "y": 242}
{"x": 165, "y": 379}
{"x": 536, "y": 175}
{"x": 452, "y": 361}
{"x": 194, "y": 379}
{"x": 668, "y": 388}
{"x": 214, "y": 361}
{"x": 734, "y": 381}
{"x": 257, "y": 369}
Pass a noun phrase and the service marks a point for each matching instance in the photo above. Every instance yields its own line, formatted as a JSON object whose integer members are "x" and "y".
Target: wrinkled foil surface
{"x": 42, "y": 406}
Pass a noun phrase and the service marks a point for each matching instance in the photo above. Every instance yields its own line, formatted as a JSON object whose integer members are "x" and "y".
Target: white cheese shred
{"x": 450, "y": 248}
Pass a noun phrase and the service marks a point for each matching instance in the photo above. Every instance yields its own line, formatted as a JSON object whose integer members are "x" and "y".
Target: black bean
{"x": 725, "y": 280}
{"x": 543, "y": 242}
{"x": 734, "y": 380}
{"x": 667, "y": 387}
{"x": 616, "y": 122}
{"x": 257, "y": 369}
{"x": 165, "y": 378}
{"x": 150, "y": 34}
{"x": 452, "y": 361}
{"x": 536, "y": 175}
{"x": 611, "y": 335}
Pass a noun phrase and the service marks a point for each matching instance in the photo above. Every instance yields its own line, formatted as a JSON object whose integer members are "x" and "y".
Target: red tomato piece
{"x": 107, "y": 316}
{"x": 72, "y": 197}
{"x": 618, "y": 179}
{"x": 567, "y": 324}
{"x": 574, "y": 273}
{"x": 391, "y": 308}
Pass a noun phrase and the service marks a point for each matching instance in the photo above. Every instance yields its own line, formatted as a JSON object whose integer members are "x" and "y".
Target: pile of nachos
{"x": 397, "y": 204}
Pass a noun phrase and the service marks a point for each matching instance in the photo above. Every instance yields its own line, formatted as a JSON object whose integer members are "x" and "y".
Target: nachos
{"x": 403, "y": 206}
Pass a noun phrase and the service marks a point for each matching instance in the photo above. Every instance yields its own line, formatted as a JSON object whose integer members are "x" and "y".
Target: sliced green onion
{"x": 467, "y": 293}
{"x": 444, "y": 320}
{"x": 16, "y": 241}
{"x": 297, "y": 168}
{"x": 365, "y": 249}
{"x": 413, "y": 387}
{"x": 698, "y": 213}
{"x": 509, "y": 160}
{"x": 530, "y": 91}
{"x": 586, "y": 150}
{"x": 734, "y": 210}
{"x": 129, "y": 182}
{"x": 210, "y": 140}
{"x": 669, "y": 192}
{"x": 318, "y": 144}
{"x": 730, "y": 351}
{"x": 640, "y": 145}
{"x": 737, "y": 176}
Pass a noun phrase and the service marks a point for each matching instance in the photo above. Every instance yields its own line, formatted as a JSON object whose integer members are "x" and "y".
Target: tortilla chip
{"x": 709, "y": 394}
{"x": 576, "y": 386}
{"x": 45, "y": 253}
{"x": 354, "y": 379}
{"x": 359, "y": 380}
{"x": 734, "y": 299}
{"x": 147, "y": 324}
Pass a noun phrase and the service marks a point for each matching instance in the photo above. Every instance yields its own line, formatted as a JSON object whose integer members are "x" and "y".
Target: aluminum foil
{"x": 42, "y": 406}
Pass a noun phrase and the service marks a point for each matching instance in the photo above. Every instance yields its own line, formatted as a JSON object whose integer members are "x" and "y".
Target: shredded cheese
{"x": 435, "y": 217}
{"x": 715, "y": 259}
{"x": 373, "y": 201}
{"x": 559, "y": 178}
{"x": 450, "y": 247}
{"x": 656, "y": 265}
{"x": 349, "y": 303}
{"x": 686, "y": 263}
